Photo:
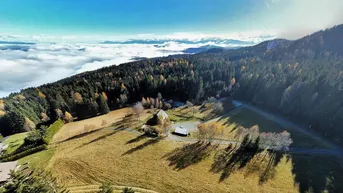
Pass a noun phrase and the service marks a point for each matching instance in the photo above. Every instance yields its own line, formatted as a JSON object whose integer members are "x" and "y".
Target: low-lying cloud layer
{"x": 26, "y": 65}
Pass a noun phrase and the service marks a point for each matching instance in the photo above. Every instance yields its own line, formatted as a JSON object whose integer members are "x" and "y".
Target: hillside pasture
{"x": 88, "y": 125}
{"x": 15, "y": 141}
{"x": 128, "y": 159}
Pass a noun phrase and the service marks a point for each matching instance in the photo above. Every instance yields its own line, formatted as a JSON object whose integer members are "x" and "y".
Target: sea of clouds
{"x": 25, "y": 65}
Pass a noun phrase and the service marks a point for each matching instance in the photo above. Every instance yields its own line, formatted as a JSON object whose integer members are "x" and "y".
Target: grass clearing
{"x": 38, "y": 160}
{"x": 15, "y": 141}
{"x": 79, "y": 127}
{"x": 247, "y": 118}
{"x": 52, "y": 130}
{"x": 182, "y": 114}
{"x": 126, "y": 159}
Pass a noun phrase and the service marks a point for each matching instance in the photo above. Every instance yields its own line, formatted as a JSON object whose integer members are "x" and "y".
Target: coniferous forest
{"x": 301, "y": 80}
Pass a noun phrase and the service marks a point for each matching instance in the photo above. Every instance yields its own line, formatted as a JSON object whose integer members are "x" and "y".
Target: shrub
{"x": 34, "y": 138}
{"x": 52, "y": 130}
{"x": 24, "y": 153}
{"x": 32, "y": 181}
{"x": 128, "y": 190}
{"x": 106, "y": 188}
{"x": 103, "y": 123}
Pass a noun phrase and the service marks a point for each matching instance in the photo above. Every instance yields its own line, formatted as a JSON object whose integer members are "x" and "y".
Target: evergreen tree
{"x": 103, "y": 106}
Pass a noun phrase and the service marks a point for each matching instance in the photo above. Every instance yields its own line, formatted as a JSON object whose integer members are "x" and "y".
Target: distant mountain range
{"x": 16, "y": 42}
{"x": 183, "y": 41}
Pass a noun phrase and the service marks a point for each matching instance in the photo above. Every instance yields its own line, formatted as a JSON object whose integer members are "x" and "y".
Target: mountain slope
{"x": 301, "y": 80}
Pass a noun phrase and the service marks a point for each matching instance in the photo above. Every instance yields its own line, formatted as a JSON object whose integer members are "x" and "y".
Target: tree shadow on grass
{"x": 189, "y": 154}
{"x": 127, "y": 122}
{"x": 103, "y": 136}
{"x": 115, "y": 131}
{"x": 234, "y": 158}
{"x": 264, "y": 164}
{"x": 269, "y": 172}
{"x": 317, "y": 174}
{"x": 137, "y": 139}
{"x": 149, "y": 142}
{"x": 78, "y": 136}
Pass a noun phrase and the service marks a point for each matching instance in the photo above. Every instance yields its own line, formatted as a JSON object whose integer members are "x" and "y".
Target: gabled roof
{"x": 162, "y": 114}
{"x": 181, "y": 130}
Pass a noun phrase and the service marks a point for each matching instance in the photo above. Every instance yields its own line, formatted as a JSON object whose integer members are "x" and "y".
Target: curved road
{"x": 336, "y": 150}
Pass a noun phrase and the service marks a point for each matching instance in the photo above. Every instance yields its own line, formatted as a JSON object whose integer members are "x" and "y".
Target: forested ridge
{"x": 301, "y": 80}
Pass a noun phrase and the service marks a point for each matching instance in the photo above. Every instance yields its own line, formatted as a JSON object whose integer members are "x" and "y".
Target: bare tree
{"x": 276, "y": 141}
{"x": 252, "y": 132}
{"x": 209, "y": 131}
{"x": 218, "y": 108}
{"x": 138, "y": 110}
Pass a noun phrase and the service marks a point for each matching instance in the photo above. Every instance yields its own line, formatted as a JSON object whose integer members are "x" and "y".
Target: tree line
{"x": 300, "y": 80}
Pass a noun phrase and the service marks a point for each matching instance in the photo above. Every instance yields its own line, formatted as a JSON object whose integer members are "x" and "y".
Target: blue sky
{"x": 118, "y": 17}
{"x": 122, "y": 16}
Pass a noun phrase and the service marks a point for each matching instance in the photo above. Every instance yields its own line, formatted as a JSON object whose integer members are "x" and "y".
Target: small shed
{"x": 180, "y": 130}
{"x": 5, "y": 170}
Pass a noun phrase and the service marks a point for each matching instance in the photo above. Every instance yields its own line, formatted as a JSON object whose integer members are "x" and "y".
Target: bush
{"x": 23, "y": 154}
{"x": 128, "y": 190}
{"x": 32, "y": 181}
{"x": 52, "y": 130}
{"x": 152, "y": 131}
{"x": 34, "y": 138}
{"x": 106, "y": 188}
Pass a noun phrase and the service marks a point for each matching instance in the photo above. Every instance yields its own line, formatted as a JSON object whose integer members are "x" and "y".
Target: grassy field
{"x": 15, "y": 141}
{"x": 39, "y": 159}
{"x": 79, "y": 127}
{"x": 126, "y": 159}
{"x": 190, "y": 113}
{"x": 247, "y": 118}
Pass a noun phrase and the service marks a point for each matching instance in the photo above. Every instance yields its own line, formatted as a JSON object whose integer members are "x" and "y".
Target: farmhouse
{"x": 5, "y": 170}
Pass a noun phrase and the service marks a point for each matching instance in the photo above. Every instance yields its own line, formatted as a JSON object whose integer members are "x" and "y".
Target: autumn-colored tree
{"x": 59, "y": 113}
{"x": 157, "y": 103}
{"x": 29, "y": 125}
{"x": 148, "y": 102}
{"x": 209, "y": 131}
{"x": 2, "y": 105}
{"x": 144, "y": 102}
{"x": 41, "y": 95}
{"x": 78, "y": 97}
{"x": 152, "y": 103}
{"x": 104, "y": 95}
{"x": 68, "y": 117}
{"x": 44, "y": 117}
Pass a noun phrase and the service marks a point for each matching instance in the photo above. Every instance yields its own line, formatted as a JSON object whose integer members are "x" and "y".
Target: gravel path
{"x": 336, "y": 150}
{"x": 191, "y": 126}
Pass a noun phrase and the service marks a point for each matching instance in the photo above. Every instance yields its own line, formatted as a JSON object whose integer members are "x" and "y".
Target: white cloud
{"x": 297, "y": 18}
{"x": 44, "y": 63}
{"x": 27, "y": 65}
